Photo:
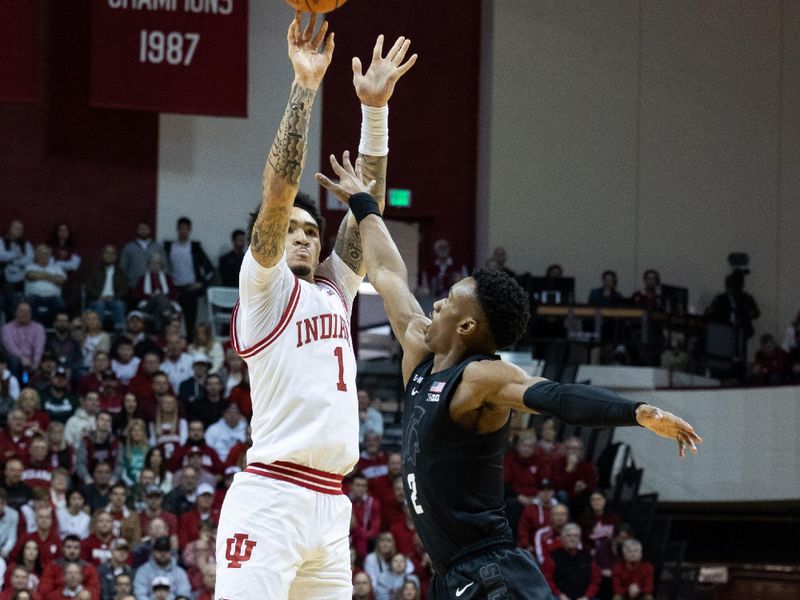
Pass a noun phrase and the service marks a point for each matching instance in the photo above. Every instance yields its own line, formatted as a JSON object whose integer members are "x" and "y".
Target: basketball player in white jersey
{"x": 284, "y": 528}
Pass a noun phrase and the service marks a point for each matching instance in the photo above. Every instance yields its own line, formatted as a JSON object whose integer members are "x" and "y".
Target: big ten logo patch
{"x": 238, "y": 550}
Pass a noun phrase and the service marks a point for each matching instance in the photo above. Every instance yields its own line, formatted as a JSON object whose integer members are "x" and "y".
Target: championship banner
{"x": 179, "y": 56}
{"x": 19, "y": 44}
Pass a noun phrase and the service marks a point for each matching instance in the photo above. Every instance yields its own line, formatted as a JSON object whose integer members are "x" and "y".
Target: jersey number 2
{"x": 412, "y": 484}
{"x": 340, "y": 385}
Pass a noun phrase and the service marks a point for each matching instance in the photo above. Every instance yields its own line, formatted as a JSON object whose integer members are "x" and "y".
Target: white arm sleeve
{"x": 343, "y": 276}
{"x": 263, "y": 296}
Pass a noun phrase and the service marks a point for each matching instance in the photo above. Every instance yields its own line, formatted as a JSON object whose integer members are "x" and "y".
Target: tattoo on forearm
{"x": 375, "y": 168}
{"x": 269, "y": 233}
{"x": 289, "y": 148}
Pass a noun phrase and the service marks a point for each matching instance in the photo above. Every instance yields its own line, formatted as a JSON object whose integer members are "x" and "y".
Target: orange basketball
{"x": 315, "y": 6}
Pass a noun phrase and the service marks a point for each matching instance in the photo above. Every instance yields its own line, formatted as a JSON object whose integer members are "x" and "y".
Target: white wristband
{"x": 374, "y": 130}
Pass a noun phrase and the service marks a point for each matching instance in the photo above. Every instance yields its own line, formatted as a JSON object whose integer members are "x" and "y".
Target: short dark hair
{"x": 304, "y": 201}
{"x": 236, "y": 233}
{"x": 653, "y": 272}
{"x": 609, "y": 272}
{"x": 506, "y": 305}
{"x": 71, "y": 537}
{"x": 184, "y": 221}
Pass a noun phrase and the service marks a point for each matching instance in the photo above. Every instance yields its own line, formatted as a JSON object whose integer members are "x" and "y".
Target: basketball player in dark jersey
{"x": 458, "y": 398}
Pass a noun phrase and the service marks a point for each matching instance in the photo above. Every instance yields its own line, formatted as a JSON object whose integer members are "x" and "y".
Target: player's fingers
{"x": 308, "y": 33}
{"x": 681, "y": 449}
{"x": 378, "y": 49}
{"x": 324, "y": 181}
{"x": 348, "y": 166}
{"x": 395, "y": 48}
{"x": 320, "y": 35}
{"x": 403, "y": 69}
{"x": 401, "y": 54}
{"x": 360, "y": 169}
{"x": 371, "y": 186}
{"x": 291, "y": 35}
{"x": 358, "y": 70}
{"x": 329, "y": 45}
{"x": 337, "y": 168}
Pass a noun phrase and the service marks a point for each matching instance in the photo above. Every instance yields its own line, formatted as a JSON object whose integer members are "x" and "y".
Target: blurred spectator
{"x": 404, "y": 531}
{"x": 64, "y": 347}
{"x": 240, "y": 395}
{"x": 58, "y": 453}
{"x": 575, "y": 475}
{"x": 194, "y": 459}
{"x": 633, "y": 579}
{"x": 191, "y": 270}
{"x": 548, "y": 450}
{"x": 193, "y": 389}
{"x": 28, "y": 557}
{"x": 183, "y": 497}
{"x": 23, "y": 340}
{"x": 521, "y": 469}
{"x": 155, "y": 294}
{"x": 135, "y": 451}
{"x": 15, "y": 254}
{"x": 94, "y": 340}
{"x": 37, "y": 473}
{"x": 177, "y": 363}
{"x": 536, "y": 515}
{"x": 96, "y": 493}
{"x": 9, "y": 522}
{"x": 161, "y": 565}
{"x": 82, "y": 423}
{"x": 210, "y": 407}
{"x": 373, "y": 461}
{"x": 382, "y": 487}
{"x": 110, "y": 398}
{"x": 157, "y": 462}
{"x": 42, "y": 376}
{"x": 203, "y": 342}
{"x": 9, "y": 389}
{"x": 136, "y": 331}
{"x": 13, "y": 440}
{"x": 129, "y": 412}
{"x": 168, "y": 431}
{"x": 73, "y": 520}
{"x": 609, "y": 553}
{"x": 233, "y": 371}
{"x": 497, "y": 262}
{"x": 144, "y": 387}
{"x": 56, "y": 574}
{"x": 124, "y": 587}
{"x": 39, "y": 499}
{"x": 99, "y": 446}
{"x": 63, "y": 245}
{"x": 650, "y": 294}
{"x": 203, "y": 512}
{"x": 96, "y": 549}
{"x": 554, "y": 271}
{"x": 20, "y": 582}
{"x": 231, "y": 263}
{"x": 570, "y": 570}
{"x": 409, "y": 591}
{"x": 136, "y": 253}
{"x": 227, "y": 432}
{"x": 43, "y": 282}
{"x": 548, "y": 538}
{"x": 737, "y": 308}
{"x": 392, "y": 580}
{"x": 209, "y": 579}
{"x": 36, "y": 420}
{"x": 769, "y": 367}
{"x": 238, "y": 454}
{"x": 45, "y": 536}
{"x": 369, "y": 418}
{"x": 110, "y": 572}
{"x": 791, "y": 337}
{"x": 125, "y": 523}
{"x": 56, "y": 398}
{"x": 197, "y": 441}
{"x": 443, "y": 273}
{"x": 143, "y": 551}
{"x": 392, "y": 507}
{"x": 362, "y": 587}
{"x": 125, "y": 363}
{"x": 59, "y": 485}
{"x": 17, "y": 493}
{"x": 107, "y": 288}
{"x": 607, "y": 294}
{"x": 154, "y": 510}
{"x": 366, "y": 510}
{"x": 379, "y": 561}
{"x": 597, "y": 523}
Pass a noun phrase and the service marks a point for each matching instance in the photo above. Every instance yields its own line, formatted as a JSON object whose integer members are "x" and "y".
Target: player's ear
{"x": 467, "y": 327}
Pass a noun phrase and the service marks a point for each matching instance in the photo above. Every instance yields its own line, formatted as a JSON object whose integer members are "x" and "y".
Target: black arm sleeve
{"x": 583, "y": 405}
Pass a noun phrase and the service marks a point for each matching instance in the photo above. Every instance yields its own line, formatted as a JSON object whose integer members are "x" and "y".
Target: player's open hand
{"x": 309, "y": 64}
{"x": 351, "y": 179}
{"x": 375, "y": 87}
{"x": 670, "y": 426}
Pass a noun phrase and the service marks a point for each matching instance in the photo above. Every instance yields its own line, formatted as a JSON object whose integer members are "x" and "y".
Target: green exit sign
{"x": 400, "y": 198}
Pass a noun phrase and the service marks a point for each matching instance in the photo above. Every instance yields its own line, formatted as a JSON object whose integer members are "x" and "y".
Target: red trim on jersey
{"x": 312, "y": 479}
{"x": 331, "y": 284}
{"x": 294, "y": 299}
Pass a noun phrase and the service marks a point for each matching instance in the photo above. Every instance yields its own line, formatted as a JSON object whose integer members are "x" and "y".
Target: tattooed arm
{"x": 374, "y": 88}
{"x": 287, "y": 155}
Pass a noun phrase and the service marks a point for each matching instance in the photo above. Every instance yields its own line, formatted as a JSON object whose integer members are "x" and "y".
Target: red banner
{"x": 181, "y": 56}
{"x": 19, "y": 43}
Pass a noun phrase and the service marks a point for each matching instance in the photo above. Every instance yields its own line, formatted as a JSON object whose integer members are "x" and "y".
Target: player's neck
{"x": 445, "y": 360}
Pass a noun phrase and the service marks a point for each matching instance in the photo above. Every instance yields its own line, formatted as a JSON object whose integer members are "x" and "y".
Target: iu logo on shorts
{"x": 238, "y": 550}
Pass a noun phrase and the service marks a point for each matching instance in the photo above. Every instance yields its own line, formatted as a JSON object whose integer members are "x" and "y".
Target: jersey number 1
{"x": 340, "y": 385}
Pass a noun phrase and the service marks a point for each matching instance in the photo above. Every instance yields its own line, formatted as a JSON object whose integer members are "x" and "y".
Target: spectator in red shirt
{"x": 547, "y": 448}
{"x": 154, "y": 496}
{"x": 521, "y": 469}
{"x": 125, "y": 522}
{"x": 189, "y": 522}
{"x": 575, "y": 475}
{"x": 209, "y": 572}
{"x": 96, "y": 549}
{"x": 536, "y": 515}
{"x": 38, "y": 472}
{"x": 608, "y": 553}
{"x": 195, "y": 459}
{"x": 110, "y": 394}
{"x": 598, "y": 523}
{"x": 36, "y": 419}
{"x": 366, "y": 510}
{"x": 211, "y": 462}
{"x": 28, "y": 557}
{"x": 770, "y": 363}
{"x": 382, "y": 487}
{"x": 548, "y": 538}
{"x": 13, "y": 441}
{"x": 200, "y": 553}
{"x": 570, "y": 571}
{"x": 93, "y": 380}
{"x": 73, "y": 585}
{"x": 53, "y": 576}
{"x": 142, "y": 388}
{"x": 373, "y": 462}
{"x": 392, "y": 509}
{"x": 362, "y": 587}
{"x": 633, "y": 579}
{"x": 403, "y": 532}
{"x": 46, "y": 536}
{"x": 19, "y": 584}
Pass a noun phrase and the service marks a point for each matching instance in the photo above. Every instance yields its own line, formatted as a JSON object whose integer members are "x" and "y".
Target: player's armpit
{"x": 498, "y": 383}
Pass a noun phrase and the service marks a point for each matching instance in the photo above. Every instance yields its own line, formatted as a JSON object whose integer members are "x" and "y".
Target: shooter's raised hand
{"x": 375, "y": 87}
{"x": 308, "y": 62}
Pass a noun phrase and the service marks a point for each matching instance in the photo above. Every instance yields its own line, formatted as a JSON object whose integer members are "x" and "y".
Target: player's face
{"x": 448, "y": 313}
{"x": 302, "y": 243}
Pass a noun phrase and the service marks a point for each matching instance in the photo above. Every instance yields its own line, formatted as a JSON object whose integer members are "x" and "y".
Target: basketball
{"x": 315, "y": 6}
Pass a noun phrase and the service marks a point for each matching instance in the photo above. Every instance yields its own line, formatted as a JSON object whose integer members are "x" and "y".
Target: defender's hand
{"x": 375, "y": 87}
{"x": 351, "y": 180}
{"x": 309, "y": 64}
{"x": 667, "y": 425}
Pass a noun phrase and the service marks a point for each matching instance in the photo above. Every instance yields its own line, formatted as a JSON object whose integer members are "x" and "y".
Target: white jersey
{"x": 295, "y": 338}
